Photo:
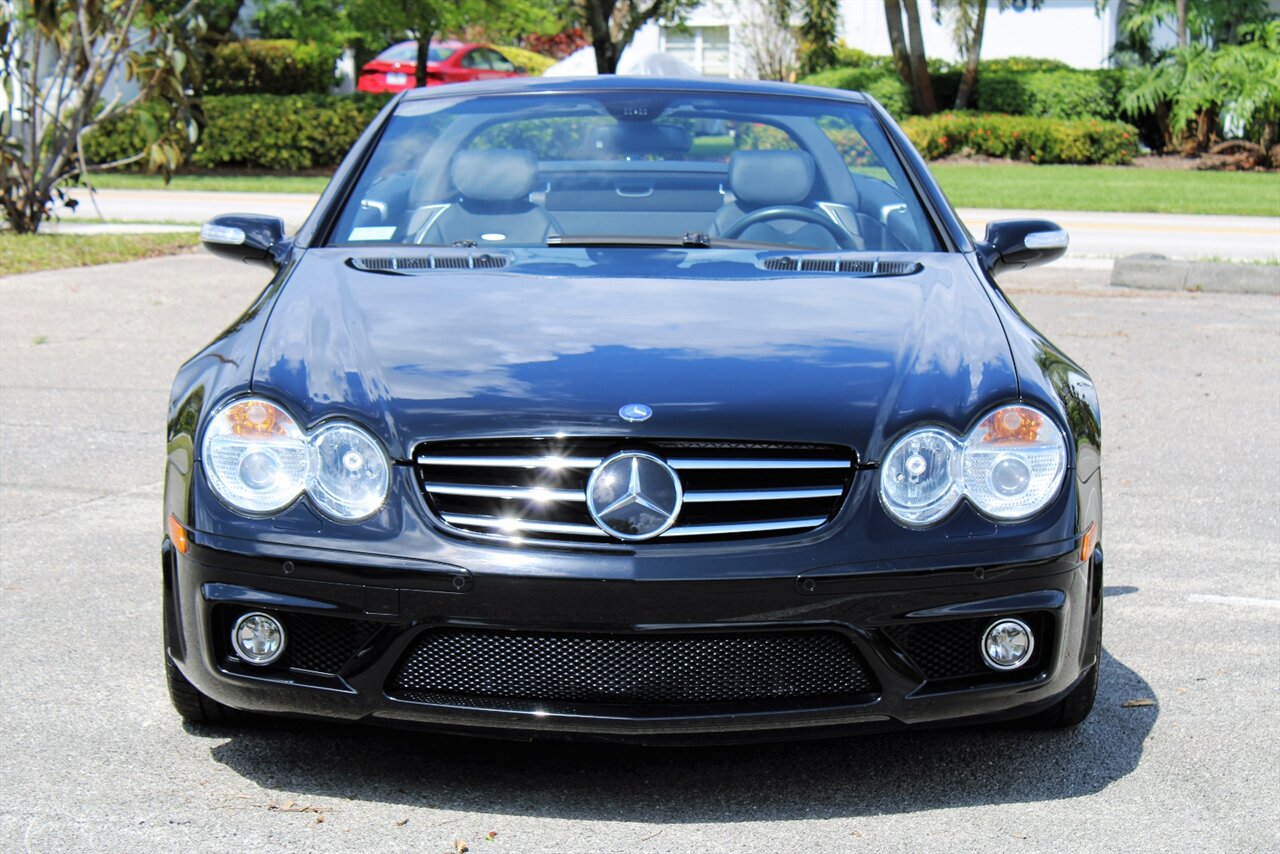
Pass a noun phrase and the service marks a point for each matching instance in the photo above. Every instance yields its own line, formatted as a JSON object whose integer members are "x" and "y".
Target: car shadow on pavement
{"x": 867, "y": 775}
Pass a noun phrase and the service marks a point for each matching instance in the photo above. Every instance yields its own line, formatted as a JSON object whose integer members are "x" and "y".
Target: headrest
{"x": 494, "y": 174}
{"x": 771, "y": 177}
{"x": 641, "y": 138}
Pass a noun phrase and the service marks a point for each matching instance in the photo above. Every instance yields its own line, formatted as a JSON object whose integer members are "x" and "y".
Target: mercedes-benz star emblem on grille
{"x": 635, "y": 412}
{"x": 634, "y": 496}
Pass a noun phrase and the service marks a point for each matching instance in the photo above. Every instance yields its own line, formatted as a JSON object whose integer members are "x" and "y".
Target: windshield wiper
{"x": 689, "y": 240}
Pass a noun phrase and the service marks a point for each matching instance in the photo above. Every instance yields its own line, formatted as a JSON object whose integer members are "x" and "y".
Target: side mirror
{"x": 1015, "y": 244}
{"x": 251, "y": 238}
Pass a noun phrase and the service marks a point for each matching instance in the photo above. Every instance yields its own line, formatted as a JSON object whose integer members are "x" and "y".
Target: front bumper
{"x": 399, "y": 605}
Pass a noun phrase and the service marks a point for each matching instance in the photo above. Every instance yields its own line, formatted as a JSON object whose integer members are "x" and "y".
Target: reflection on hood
{"x": 485, "y": 353}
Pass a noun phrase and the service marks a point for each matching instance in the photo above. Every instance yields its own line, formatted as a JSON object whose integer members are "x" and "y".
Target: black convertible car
{"x": 633, "y": 409}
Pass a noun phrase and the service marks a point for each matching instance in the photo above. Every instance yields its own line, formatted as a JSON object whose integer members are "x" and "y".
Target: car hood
{"x": 557, "y": 342}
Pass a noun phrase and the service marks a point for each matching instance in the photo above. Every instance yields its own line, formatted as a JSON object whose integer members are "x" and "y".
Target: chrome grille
{"x": 535, "y": 489}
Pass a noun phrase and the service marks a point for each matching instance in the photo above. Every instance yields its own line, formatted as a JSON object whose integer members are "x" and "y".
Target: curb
{"x": 1163, "y": 274}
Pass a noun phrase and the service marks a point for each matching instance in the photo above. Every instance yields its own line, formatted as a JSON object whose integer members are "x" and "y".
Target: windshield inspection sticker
{"x": 373, "y": 232}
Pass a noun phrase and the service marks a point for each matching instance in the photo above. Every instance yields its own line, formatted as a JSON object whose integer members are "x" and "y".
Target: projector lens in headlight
{"x": 259, "y": 461}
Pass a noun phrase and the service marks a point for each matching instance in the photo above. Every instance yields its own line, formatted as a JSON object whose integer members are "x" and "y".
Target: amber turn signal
{"x": 256, "y": 418}
{"x": 177, "y": 534}
{"x": 1012, "y": 424}
{"x": 1090, "y": 540}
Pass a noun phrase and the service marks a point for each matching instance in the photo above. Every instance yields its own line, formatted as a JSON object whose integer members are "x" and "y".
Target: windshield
{"x": 671, "y": 168}
{"x": 408, "y": 52}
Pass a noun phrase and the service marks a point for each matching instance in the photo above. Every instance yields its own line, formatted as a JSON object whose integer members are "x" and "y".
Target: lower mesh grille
{"x": 323, "y": 644}
{"x": 500, "y": 669}
{"x": 950, "y": 649}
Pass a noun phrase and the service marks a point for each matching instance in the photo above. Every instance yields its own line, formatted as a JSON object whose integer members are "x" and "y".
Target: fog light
{"x": 1007, "y": 644}
{"x": 258, "y": 638}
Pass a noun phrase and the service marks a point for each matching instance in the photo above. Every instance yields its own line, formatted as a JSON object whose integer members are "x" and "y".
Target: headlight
{"x": 920, "y": 478}
{"x": 256, "y": 457}
{"x": 1010, "y": 466}
{"x": 260, "y": 461}
{"x": 351, "y": 476}
{"x": 1014, "y": 461}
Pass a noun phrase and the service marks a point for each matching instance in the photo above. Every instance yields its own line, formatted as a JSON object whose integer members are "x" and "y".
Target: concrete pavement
{"x": 1093, "y": 235}
{"x": 92, "y": 758}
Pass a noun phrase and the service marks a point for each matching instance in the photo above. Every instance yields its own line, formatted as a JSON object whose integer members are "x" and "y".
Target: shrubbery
{"x": 298, "y": 132}
{"x": 1021, "y": 63}
{"x": 287, "y": 133}
{"x": 1022, "y": 87}
{"x": 270, "y": 67}
{"x": 1059, "y": 94}
{"x": 1030, "y": 138}
{"x": 529, "y": 62}
{"x": 882, "y": 85}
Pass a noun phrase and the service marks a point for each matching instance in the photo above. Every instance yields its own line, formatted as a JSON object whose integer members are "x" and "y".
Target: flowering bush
{"x": 1034, "y": 139}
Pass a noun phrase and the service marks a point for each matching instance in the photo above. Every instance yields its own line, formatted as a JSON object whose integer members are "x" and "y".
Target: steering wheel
{"x": 842, "y": 237}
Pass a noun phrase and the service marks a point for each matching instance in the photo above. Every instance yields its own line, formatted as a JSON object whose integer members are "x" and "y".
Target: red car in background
{"x": 447, "y": 62}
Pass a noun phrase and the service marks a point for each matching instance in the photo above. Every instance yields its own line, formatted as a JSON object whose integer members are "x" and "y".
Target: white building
{"x": 713, "y": 38}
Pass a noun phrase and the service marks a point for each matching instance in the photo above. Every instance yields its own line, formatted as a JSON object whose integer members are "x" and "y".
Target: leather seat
{"x": 492, "y": 207}
{"x": 761, "y": 179}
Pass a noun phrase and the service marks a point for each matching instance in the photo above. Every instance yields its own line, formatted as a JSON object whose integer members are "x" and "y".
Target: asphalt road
{"x": 1093, "y": 235}
{"x": 92, "y": 757}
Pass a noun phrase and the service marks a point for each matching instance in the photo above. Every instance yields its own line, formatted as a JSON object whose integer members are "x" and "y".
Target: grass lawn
{"x": 26, "y": 253}
{"x": 1109, "y": 188}
{"x": 979, "y": 185}
{"x": 267, "y": 183}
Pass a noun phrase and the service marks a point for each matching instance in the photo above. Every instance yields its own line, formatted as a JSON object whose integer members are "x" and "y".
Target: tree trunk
{"x": 423, "y": 37}
{"x": 599, "y": 14}
{"x": 1166, "y": 129}
{"x": 898, "y": 42}
{"x": 1181, "y": 7}
{"x": 922, "y": 91}
{"x": 607, "y": 53}
{"x": 971, "y": 61}
{"x": 1206, "y": 127}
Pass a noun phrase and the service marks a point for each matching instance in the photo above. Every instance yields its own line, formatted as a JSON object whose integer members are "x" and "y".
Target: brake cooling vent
{"x": 859, "y": 266}
{"x": 423, "y": 263}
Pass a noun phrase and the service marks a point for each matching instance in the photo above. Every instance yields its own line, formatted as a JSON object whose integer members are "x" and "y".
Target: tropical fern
{"x": 1240, "y": 82}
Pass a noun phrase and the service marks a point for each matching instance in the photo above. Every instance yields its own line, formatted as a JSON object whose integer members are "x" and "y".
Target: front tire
{"x": 187, "y": 699}
{"x": 190, "y": 703}
{"x": 1072, "y": 709}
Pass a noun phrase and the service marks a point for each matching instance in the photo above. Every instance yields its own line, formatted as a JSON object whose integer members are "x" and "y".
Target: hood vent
{"x": 412, "y": 263}
{"x": 860, "y": 266}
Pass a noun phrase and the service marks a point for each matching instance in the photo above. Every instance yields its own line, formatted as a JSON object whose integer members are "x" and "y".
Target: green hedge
{"x": 1067, "y": 94}
{"x": 1018, "y": 85}
{"x": 278, "y": 132}
{"x": 1021, "y": 63}
{"x": 1030, "y": 138}
{"x": 884, "y": 86}
{"x": 270, "y": 67}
